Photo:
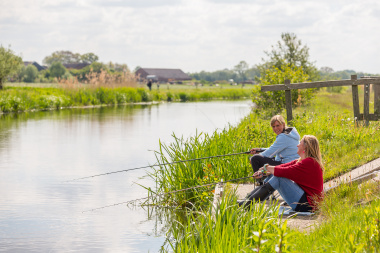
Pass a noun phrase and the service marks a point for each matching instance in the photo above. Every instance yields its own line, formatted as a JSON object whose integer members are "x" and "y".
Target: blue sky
{"x": 193, "y": 35}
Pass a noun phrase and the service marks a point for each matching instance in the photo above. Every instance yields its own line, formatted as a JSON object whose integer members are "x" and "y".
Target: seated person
{"x": 299, "y": 182}
{"x": 283, "y": 150}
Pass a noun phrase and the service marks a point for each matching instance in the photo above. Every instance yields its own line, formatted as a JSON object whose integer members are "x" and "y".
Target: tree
{"x": 67, "y": 57}
{"x": 89, "y": 58}
{"x": 57, "y": 70}
{"x": 241, "y": 70}
{"x": 30, "y": 73}
{"x": 9, "y": 63}
{"x": 273, "y": 102}
{"x": 63, "y": 57}
{"x": 290, "y": 52}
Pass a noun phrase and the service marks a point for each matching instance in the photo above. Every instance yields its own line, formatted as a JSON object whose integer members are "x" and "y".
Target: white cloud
{"x": 197, "y": 35}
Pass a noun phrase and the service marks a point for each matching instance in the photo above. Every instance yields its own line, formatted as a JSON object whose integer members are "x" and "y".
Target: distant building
{"x": 38, "y": 66}
{"x": 162, "y": 75}
{"x": 76, "y": 65}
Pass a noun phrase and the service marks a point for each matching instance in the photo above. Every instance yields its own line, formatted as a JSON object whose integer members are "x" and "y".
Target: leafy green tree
{"x": 241, "y": 70}
{"x": 270, "y": 103}
{"x": 9, "y": 64}
{"x": 57, "y": 70}
{"x": 67, "y": 57}
{"x": 253, "y": 73}
{"x": 89, "y": 58}
{"x": 30, "y": 73}
{"x": 64, "y": 57}
{"x": 290, "y": 52}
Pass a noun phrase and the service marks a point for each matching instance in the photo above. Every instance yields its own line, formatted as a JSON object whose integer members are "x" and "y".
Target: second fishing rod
{"x": 169, "y": 163}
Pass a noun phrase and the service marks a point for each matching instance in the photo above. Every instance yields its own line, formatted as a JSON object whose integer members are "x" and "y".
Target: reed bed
{"x": 104, "y": 90}
{"x": 230, "y": 229}
{"x": 94, "y": 80}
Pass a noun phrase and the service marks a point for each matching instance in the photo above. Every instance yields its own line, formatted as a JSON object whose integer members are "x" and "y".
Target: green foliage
{"x": 230, "y": 229}
{"x": 273, "y": 102}
{"x": 350, "y": 228}
{"x": 290, "y": 52}
{"x": 352, "y": 224}
{"x": 241, "y": 70}
{"x": 24, "y": 99}
{"x": 66, "y": 57}
{"x": 239, "y": 73}
{"x": 30, "y": 73}
{"x": 57, "y": 70}
{"x": 9, "y": 64}
{"x": 89, "y": 58}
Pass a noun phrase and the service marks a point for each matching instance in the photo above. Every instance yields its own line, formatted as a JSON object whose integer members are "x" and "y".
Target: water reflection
{"x": 39, "y": 151}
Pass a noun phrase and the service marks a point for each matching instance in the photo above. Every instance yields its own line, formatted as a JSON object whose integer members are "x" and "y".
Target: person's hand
{"x": 253, "y": 151}
{"x": 258, "y": 174}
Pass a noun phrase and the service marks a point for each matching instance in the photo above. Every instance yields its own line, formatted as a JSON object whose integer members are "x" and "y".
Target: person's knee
{"x": 255, "y": 158}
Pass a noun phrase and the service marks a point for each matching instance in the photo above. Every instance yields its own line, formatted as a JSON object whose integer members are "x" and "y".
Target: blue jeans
{"x": 288, "y": 190}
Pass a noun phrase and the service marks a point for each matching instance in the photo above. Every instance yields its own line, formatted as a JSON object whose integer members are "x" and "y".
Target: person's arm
{"x": 257, "y": 150}
{"x": 265, "y": 170}
{"x": 279, "y": 145}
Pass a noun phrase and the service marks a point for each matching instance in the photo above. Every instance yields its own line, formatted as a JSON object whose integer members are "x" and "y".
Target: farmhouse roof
{"x": 38, "y": 66}
{"x": 176, "y": 74}
{"x": 75, "y": 65}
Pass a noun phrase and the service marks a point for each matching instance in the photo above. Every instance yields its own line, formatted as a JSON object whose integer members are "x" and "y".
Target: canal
{"x": 41, "y": 210}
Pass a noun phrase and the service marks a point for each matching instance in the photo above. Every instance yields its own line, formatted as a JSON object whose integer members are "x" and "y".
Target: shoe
{"x": 241, "y": 202}
{"x": 261, "y": 194}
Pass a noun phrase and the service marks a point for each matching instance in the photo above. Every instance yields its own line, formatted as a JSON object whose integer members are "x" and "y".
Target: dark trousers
{"x": 258, "y": 161}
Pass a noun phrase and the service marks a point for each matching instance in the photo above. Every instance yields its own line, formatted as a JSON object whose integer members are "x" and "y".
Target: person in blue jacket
{"x": 283, "y": 150}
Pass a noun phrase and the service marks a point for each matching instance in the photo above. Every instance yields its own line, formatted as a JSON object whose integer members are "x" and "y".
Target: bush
{"x": 30, "y": 74}
{"x": 273, "y": 102}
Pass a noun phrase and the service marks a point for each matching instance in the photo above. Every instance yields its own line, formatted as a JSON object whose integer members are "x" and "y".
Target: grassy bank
{"x": 344, "y": 144}
{"x": 18, "y": 99}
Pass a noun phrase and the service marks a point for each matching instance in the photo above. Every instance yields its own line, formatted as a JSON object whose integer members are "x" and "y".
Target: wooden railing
{"x": 354, "y": 82}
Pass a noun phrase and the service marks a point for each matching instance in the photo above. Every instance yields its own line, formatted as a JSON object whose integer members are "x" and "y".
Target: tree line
{"x": 15, "y": 70}
{"x": 287, "y": 54}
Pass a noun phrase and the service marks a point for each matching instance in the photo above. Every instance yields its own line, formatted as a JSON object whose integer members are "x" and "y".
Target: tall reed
{"x": 230, "y": 229}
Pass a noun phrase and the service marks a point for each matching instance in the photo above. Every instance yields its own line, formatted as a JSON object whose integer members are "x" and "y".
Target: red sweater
{"x": 307, "y": 174}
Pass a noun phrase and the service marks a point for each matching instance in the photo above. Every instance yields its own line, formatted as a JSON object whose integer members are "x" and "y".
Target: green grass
{"x": 351, "y": 222}
{"x": 20, "y": 99}
{"x": 345, "y": 144}
{"x": 230, "y": 229}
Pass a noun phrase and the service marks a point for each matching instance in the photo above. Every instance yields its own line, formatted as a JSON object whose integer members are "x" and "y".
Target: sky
{"x": 194, "y": 35}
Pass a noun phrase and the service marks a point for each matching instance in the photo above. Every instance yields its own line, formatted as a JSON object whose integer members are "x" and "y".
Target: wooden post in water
{"x": 288, "y": 101}
{"x": 355, "y": 98}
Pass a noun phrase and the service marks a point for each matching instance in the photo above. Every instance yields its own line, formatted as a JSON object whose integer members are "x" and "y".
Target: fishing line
{"x": 163, "y": 194}
{"x": 163, "y": 164}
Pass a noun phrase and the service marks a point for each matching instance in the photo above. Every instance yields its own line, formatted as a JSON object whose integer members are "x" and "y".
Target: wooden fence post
{"x": 355, "y": 98}
{"x": 366, "y": 104}
{"x": 288, "y": 101}
{"x": 376, "y": 91}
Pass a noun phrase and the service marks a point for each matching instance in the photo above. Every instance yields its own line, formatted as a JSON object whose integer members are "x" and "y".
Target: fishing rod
{"x": 167, "y": 193}
{"x": 163, "y": 164}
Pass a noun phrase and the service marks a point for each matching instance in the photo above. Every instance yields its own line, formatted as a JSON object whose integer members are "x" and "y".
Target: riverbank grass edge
{"x": 345, "y": 144}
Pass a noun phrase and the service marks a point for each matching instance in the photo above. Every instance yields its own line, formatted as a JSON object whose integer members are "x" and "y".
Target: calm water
{"x": 40, "y": 212}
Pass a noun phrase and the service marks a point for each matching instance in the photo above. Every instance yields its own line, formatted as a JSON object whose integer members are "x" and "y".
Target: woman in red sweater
{"x": 299, "y": 182}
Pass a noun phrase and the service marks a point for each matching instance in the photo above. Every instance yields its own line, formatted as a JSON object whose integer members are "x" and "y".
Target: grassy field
{"x": 20, "y": 97}
{"x": 345, "y": 144}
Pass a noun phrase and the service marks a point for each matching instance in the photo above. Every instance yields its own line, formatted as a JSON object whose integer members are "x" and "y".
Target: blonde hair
{"x": 312, "y": 150}
{"x": 278, "y": 118}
